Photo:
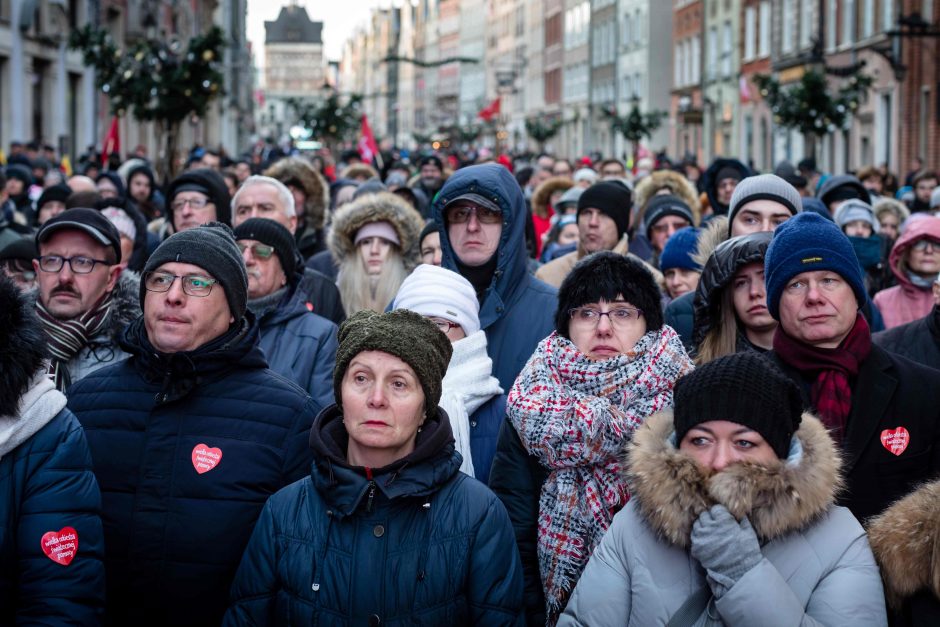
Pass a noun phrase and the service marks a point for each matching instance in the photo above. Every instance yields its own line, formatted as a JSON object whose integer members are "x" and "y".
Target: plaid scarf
{"x": 68, "y": 337}
{"x": 575, "y": 415}
{"x": 833, "y": 368}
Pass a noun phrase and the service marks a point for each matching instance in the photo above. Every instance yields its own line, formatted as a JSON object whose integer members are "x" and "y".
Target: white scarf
{"x": 38, "y": 406}
{"x": 468, "y": 384}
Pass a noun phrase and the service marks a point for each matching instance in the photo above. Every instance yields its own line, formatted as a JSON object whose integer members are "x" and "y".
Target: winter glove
{"x": 725, "y": 548}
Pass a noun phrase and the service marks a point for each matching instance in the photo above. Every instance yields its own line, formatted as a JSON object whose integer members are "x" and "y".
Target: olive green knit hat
{"x": 409, "y": 336}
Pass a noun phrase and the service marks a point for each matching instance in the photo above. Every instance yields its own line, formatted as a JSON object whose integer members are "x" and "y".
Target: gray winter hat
{"x": 852, "y": 210}
{"x": 764, "y": 187}
{"x": 570, "y": 197}
{"x": 212, "y": 247}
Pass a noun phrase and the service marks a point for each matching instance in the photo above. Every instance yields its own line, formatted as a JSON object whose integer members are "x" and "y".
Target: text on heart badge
{"x": 895, "y": 440}
{"x": 205, "y": 458}
{"x": 60, "y": 546}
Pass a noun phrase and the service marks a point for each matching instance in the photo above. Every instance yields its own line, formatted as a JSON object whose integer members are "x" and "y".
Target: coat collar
{"x": 670, "y": 489}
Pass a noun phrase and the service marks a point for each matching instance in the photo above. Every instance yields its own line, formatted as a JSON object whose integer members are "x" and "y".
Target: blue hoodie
{"x": 517, "y": 310}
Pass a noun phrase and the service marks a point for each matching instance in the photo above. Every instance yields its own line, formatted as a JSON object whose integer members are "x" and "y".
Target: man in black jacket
{"x": 189, "y": 436}
{"x": 919, "y": 340}
{"x": 883, "y": 410}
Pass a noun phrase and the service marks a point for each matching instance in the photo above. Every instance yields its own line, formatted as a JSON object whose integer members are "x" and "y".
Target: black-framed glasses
{"x": 924, "y": 244}
{"x": 259, "y": 251}
{"x": 195, "y": 203}
{"x": 461, "y": 214}
{"x": 588, "y": 317}
{"x": 444, "y": 325}
{"x": 78, "y": 265}
{"x": 193, "y": 284}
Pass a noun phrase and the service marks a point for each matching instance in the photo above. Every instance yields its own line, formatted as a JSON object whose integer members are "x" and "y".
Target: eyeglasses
{"x": 195, "y": 204}
{"x": 461, "y": 214}
{"x": 193, "y": 284}
{"x": 78, "y": 265}
{"x": 444, "y": 325}
{"x": 922, "y": 245}
{"x": 259, "y": 251}
{"x": 586, "y": 317}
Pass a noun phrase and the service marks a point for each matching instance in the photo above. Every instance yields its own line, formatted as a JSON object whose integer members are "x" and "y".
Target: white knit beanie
{"x": 434, "y": 291}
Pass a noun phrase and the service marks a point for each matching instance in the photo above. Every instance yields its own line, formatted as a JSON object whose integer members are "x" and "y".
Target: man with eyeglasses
{"x": 880, "y": 409}
{"x": 196, "y": 197}
{"x": 483, "y": 213}
{"x": 189, "y": 436}
{"x": 86, "y": 296}
{"x": 299, "y": 344}
{"x": 915, "y": 262}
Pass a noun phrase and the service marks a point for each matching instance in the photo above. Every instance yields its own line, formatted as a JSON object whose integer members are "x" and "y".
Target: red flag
{"x": 368, "y": 149}
{"x": 112, "y": 142}
{"x": 491, "y": 110}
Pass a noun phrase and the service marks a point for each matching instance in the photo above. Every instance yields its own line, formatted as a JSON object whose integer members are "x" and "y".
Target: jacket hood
{"x": 146, "y": 171}
{"x": 126, "y": 304}
{"x": 712, "y": 233}
{"x": 421, "y": 473}
{"x": 211, "y": 181}
{"x": 495, "y": 181}
{"x": 916, "y": 230}
{"x": 709, "y": 183}
{"x": 717, "y": 273}
{"x": 841, "y": 180}
{"x": 370, "y": 208}
{"x": 541, "y": 198}
{"x": 297, "y": 171}
{"x": 677, "y": 185}
{"x": 22, "y": 345}
{"x": 905, "y": 539}
{"x": 670, "y": 489}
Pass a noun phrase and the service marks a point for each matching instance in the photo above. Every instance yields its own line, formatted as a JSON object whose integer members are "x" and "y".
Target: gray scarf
{"x": 265, "y": 304}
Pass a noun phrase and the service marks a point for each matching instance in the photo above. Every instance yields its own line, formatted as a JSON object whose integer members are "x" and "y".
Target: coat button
{"x": 473, "y": 423}
{"x": 378, "y": 531}
{"x": 374, "y": 620}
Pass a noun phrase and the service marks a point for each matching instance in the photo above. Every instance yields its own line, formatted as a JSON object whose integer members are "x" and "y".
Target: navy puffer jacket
{"x": 187, "y": 448}
{"x": 418, "y": 544}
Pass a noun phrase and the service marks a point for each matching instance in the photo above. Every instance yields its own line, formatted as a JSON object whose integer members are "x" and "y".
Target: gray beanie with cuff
{"x": 764, "y": 187}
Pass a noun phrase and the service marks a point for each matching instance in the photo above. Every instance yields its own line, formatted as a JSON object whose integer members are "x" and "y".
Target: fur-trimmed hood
{"x": 22, "y": 345}
{"x": 543, "y": 194}
{"x": 713, "y": 233}
{"x": 670, "y": 489}
{"x": 369, "y": 208}
{"x": 677, "y": 185}
{"x": 905, "y": 539}
{"x": 126, "y": 304}
{"x": 294, "y": 170}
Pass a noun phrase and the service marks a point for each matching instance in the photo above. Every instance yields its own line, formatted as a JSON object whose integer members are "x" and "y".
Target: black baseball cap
{"x": 88, "y": 221}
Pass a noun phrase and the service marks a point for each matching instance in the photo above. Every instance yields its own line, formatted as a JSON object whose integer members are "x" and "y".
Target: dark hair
{"x": 606, "y": 275}
{"x": 924, "y": 175}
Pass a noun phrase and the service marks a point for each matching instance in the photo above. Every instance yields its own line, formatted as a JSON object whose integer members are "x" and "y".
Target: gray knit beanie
{"x": 405, "y": 334}
{"x": 853, "y": 210}
{"x": 212, "y": 247}
{"x": 764, "y": 187}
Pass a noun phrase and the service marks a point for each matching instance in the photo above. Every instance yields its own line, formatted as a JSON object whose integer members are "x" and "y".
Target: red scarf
{"x": 831, "y": 394}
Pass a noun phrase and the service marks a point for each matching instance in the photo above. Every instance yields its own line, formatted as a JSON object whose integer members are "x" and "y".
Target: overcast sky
{"x": 339, "y": 17}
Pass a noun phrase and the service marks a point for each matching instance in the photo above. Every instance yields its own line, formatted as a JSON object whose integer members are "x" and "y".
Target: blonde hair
{"x": 359, "y": 290}
{"x": 722, "y": 336}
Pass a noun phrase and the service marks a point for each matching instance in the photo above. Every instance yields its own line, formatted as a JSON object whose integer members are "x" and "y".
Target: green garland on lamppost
{"x": 541, "y": 131}
{"x": 330, "y": 120}
{"x": 635, "y": 125}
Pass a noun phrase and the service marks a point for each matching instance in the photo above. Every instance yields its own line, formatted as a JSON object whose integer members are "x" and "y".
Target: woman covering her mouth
{"x": 610, "y": 363}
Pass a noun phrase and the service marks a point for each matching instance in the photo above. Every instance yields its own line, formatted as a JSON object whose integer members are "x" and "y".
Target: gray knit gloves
{"x": 725, "y": 548}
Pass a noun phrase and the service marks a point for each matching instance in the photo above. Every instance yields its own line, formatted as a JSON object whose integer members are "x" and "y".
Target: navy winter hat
{"x": 664, "y": 205}
{"x": 809, "y": 242}
{"x": 678, "y": 251}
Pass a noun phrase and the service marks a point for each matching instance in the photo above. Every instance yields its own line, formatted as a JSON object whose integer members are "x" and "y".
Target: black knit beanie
{"x": 273, "y": 234}
{"x": 409, "y": 336}
{"x": 212, "y": 247}
{"x": 613, "y": 199}
{"x": 60, "y": 192}
{"x": 744, "y": 388}
{"x": 605, "y": 275}
{"x": 205, "y": 181}
{"x": 665, "y": 205}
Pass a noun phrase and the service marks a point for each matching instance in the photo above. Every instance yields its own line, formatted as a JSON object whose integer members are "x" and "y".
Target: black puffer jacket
{"x": 729, "y": 257}
{"x": 918, "y": 341}
{"x": 710, "y": 184}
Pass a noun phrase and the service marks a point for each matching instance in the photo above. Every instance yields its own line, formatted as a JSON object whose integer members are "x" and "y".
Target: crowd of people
{"x": 468, "y": 389}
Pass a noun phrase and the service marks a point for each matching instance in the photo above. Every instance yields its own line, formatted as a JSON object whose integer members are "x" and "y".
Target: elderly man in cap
{"x": 85, "y": 296}
{"x": 189, "y": 436}
{"x": 299, "y": 344}
{"x": 881, "y": 409}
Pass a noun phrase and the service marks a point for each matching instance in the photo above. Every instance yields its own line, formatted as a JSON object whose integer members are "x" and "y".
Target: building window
{"x": 726, "y": 52}
{"x": 763, "y": 38}
{"x": 696, "y": 59}
{"x": 848, "y": 22}
{"x": 712, "y": 53}
{"x": 788, "y": 17}
{"x": 887, "y": 14}
{"x": 831, "y": 13}
{"x": 806, "y": 22}
{"x": 750, "y": 33}
{"x": 868, "y": 18}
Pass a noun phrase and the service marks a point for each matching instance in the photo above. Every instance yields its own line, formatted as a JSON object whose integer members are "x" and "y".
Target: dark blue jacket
{"x": 301, "y": 347}
{"x": 485, "y": 423}
{"x": 46, "y": 484}
{"x": 414, "y": 543}
{"x": 517, "y": 310}
{"x": 187, "y": 448}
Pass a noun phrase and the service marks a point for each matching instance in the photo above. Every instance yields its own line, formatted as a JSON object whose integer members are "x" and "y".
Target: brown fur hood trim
{"x": 543, "y": 193}
{"x": 709, "y": 238}
{"x": 315, "y": 188}
{"x": 671, "y": 490}
{"x": 905, "y": 539}
{"x": 379, "y": 207}
{"x": 677, "y": 185}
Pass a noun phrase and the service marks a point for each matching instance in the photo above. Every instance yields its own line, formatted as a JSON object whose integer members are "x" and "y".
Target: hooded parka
{"x": 710, "y": 184}
{"x": 906, "y": 302}
{"x": 817, "y": 567}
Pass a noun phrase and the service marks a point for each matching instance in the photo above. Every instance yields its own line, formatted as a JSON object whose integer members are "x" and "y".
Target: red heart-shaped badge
{"x": 60, "y": 546}
{"x": 205, "y": 458}
{"x": 895, "y": 440}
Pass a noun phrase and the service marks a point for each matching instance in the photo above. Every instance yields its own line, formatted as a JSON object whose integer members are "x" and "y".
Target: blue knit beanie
{"x": 678, "y": 251}
{"x": 808, "y": 242}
